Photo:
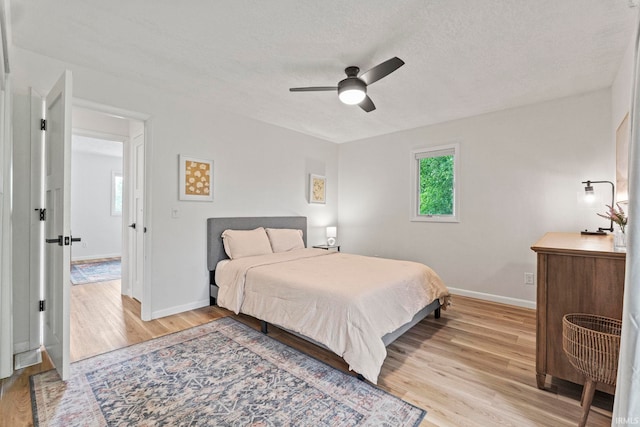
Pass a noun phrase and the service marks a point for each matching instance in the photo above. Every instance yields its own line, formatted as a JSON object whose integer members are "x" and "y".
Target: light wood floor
{"x": 475, "y": 366}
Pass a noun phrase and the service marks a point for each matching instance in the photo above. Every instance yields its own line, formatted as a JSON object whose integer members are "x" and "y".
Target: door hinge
{"x": 43, "y": 124}
{"x": 41, "y": 305}
{"x": 43, "y": 214}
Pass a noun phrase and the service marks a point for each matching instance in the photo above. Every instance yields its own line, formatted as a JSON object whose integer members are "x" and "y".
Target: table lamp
{"x": 590, "y": 196}
{"x": 331, "y": 235}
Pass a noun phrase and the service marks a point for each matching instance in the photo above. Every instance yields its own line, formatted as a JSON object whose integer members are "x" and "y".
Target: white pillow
{"x": 285, "y": 239}
{"x": 243, "y": 243}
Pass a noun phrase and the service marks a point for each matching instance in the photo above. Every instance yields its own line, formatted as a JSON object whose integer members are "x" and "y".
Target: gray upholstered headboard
{"x": 215, "y": 227}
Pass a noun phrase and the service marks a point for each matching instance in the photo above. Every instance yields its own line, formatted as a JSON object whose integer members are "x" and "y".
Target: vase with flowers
{"x": 617, "y": 215}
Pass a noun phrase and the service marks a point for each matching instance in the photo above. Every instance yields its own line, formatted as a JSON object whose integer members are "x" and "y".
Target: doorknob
{"x": 58, "y": 240}
{"x": 66, "y": 239}
{"x": 133, "y": 225}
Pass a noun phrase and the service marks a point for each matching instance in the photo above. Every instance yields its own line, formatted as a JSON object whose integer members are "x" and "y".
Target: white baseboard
{"x": 494, "y": 298}
{"x": 179, "y": 309}
{"x": 86, "y": 257}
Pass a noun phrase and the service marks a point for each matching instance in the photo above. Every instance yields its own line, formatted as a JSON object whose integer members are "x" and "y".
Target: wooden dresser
{"x": 576, "y": 274}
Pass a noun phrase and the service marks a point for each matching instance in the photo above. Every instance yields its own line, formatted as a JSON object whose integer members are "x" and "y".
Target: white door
{"x": 137, "y": 227}
{"x": 57, "y": 170}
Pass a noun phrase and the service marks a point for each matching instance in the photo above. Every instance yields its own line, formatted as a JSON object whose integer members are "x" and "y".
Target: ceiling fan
{"x": 353, "y": 89}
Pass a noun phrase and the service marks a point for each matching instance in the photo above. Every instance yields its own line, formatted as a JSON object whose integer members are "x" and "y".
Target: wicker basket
{"x": 592, "y": 344}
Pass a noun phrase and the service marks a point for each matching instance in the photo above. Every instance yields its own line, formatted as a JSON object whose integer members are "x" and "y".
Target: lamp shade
{"x": 332, "y": 232}
{"x": 589, "y": 194}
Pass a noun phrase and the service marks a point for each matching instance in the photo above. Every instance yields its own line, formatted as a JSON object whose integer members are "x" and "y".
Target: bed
{"x": 352, "y": 305}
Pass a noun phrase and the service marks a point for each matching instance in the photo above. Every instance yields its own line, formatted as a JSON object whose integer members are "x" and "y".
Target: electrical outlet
{"x": 528, "y": 278}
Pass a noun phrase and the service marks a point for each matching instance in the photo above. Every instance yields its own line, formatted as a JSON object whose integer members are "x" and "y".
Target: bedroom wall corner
{"x": 521, "y": 173}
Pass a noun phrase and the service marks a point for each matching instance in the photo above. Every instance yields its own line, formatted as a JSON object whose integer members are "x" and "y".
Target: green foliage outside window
{"x": 436, "y": 185}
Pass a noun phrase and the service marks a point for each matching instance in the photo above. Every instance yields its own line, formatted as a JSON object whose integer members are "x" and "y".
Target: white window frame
{"x": 419, "y": 153}
{"x": 115, "y": 175}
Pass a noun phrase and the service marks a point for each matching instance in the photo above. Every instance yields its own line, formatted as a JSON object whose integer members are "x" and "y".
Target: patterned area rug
{"x": 219, "y": 374}
{"x": 91, "y": 272}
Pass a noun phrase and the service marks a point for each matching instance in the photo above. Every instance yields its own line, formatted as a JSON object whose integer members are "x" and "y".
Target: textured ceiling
{"x": 463, "y": 57}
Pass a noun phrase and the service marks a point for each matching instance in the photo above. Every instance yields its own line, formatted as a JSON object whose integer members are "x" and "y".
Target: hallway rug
{"x": 223, "y": 373}
{"x": 95, "y": 271}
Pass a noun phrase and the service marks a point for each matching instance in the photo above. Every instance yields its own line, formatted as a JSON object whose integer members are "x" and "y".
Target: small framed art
{"x": 196, "y": 179}
{"x": 317, "y": 188}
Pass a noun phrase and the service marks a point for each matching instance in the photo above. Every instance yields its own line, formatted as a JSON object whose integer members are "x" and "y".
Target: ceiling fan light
{"x": 352, "y": 96}
{"x": 352, "y": 91}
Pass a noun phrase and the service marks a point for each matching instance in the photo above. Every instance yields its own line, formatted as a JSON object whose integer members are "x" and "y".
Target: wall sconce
{"x": 590, "y": 197}
{"x": 332, "y": 232}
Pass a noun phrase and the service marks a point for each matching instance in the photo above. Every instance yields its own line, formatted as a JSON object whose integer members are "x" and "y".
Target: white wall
{"x": 91, "y": 218}
{"x": 622, "y": 88}
{"x": 521, "y": 172}
{"x": 259, "y": 169}
{"x": 21, "y": 224}
{"x": 85, "y": 120}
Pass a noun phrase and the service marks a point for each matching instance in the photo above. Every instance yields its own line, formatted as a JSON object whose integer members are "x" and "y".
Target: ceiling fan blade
{"x": 313, "y": 89}
{"x": 382, "y": 70}
{"x": 367, "y": 104}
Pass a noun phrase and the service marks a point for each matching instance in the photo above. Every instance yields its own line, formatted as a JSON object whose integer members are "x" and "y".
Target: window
{"x": 116, "y": 194}
{"x": 434, "y": 196}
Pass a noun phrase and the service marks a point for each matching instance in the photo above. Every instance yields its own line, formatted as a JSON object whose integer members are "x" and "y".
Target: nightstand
{"x": 327, "y": 247}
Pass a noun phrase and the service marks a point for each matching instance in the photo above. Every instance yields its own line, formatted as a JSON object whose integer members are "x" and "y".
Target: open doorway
{"x": 104, "y": 180}
{"x": 96, "y": 208}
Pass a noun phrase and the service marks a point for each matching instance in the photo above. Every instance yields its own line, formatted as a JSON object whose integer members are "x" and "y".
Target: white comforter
{"x": 346, "y": 302}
